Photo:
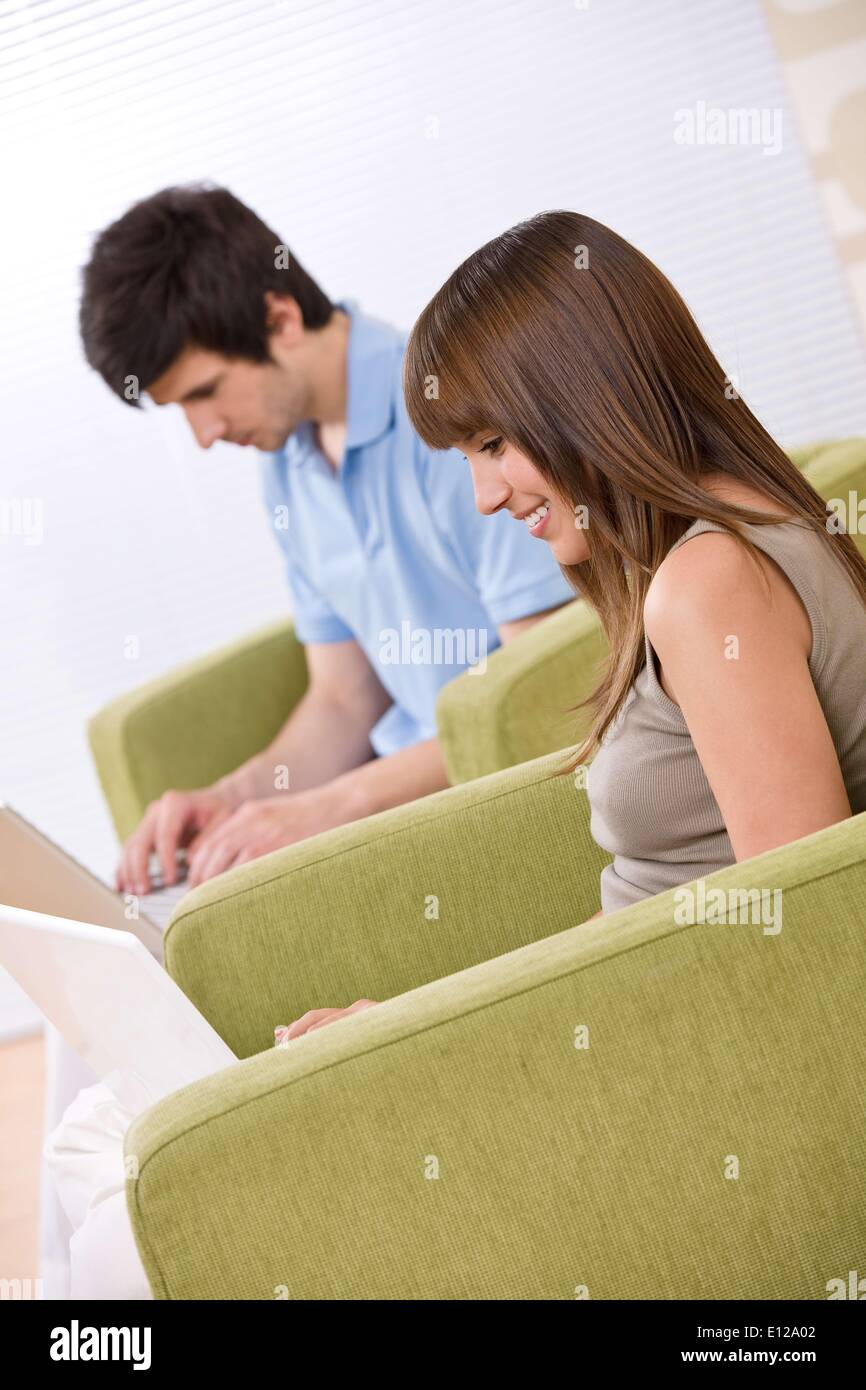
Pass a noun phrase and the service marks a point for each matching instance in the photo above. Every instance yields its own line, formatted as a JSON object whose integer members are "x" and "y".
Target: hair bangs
{"x": 448, "y": 399}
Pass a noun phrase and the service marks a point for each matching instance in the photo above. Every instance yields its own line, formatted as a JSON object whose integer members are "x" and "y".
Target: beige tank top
{"x": 651, "y": 804}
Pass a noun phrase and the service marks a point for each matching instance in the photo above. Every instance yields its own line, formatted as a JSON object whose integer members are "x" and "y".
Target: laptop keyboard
{"x": 160, "y": 904}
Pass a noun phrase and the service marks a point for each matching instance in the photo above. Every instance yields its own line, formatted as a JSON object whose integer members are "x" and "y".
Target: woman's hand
{"x": 317, "y": 1018}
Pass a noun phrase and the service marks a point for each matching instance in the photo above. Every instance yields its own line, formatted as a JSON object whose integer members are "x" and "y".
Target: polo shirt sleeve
{"x": 514, "y": 573}
{"x": 314, "y": 618}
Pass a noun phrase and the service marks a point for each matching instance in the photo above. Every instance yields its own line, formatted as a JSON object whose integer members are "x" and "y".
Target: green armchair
{"x": 542, "y": 1106}
{"x": 623, "y": 1109}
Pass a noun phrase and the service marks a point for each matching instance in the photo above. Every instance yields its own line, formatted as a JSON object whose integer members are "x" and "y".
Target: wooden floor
{"x": 22, "y": 1096}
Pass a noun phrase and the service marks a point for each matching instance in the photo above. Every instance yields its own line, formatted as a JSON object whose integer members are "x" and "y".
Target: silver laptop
{"x": 116, "y": 1006}
{"x": 38, "y": 875}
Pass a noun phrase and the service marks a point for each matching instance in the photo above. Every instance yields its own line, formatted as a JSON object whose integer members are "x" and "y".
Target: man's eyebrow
{"x": 202, "y": 389}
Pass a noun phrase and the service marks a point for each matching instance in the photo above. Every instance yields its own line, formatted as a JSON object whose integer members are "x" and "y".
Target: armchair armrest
{"x": 630, "y": 1109}
{"x": 380, "y": 906}
{"x": 518, "y": 708}
{"x": 196, "y": 723}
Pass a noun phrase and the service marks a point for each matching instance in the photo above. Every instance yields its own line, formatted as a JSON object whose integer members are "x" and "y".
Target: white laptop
{"x": 38, "y": 875}
{"x": 113, "y": 1002}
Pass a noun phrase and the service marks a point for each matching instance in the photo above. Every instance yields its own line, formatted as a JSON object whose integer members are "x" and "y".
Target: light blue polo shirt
{"x": 390, "y": 549}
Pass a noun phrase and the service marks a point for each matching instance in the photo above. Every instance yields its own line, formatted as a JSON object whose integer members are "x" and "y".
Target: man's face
{"x": 241, "y": 402}
{"x": 231, "y": 399}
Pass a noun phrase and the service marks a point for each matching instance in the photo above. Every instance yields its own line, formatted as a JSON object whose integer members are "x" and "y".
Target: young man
{"x": 192, "y": 299}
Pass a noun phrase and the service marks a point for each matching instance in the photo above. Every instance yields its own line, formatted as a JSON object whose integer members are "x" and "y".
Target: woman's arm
{"x": 750, "y": 703}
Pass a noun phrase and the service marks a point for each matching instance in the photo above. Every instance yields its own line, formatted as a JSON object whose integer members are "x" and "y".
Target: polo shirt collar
{"x": 369, "y": 405}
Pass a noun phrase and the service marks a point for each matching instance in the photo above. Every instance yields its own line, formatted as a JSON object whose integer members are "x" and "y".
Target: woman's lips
{"x": 537, "y": 529}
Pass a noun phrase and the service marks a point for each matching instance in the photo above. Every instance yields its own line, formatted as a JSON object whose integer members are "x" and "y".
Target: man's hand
{"x": 177, "y": 820}
{"x": 317, "y": 1018}
{"x": 257, "y": 827}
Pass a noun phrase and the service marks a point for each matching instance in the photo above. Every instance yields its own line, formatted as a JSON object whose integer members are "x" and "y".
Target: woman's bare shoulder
{"x": 701, "y": 578}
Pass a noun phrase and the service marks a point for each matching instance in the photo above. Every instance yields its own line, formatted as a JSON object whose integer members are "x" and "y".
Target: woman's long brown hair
{"x": 568, "y": 342}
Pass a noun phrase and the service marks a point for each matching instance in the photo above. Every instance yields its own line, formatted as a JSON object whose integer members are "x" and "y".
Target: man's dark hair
{"x": 188, "y": 266}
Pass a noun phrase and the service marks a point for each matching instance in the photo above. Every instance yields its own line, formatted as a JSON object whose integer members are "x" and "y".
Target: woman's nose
{"x": 491, "y": 491}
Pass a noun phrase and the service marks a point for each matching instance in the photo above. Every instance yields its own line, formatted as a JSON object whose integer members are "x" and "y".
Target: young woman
{"x": 731, "y": 717}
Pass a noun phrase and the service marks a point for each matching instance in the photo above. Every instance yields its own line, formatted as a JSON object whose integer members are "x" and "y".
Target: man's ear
{"x": 284, "y": 319}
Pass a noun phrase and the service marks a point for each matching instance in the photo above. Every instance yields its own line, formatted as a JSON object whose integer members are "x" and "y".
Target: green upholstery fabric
{"x": 834, "y": 470}
{"x": 519, "y": 708}
{"x": 197, "y": 723}
{"x": 345, "y": 911}
{"x": 310, "y": 1172}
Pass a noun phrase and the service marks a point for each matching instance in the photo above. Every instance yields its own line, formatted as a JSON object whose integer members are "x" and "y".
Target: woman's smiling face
{"x": 505, "y": 478}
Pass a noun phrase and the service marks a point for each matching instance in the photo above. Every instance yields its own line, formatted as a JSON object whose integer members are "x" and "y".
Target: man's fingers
{"x": 173, "y": 814}
{"x": 168, "y": 824}
{"x": 212, "y": 860}
{"x": 139, "y": 858}
{"x": 207, "y": 830}
{"x": 136, "y": 854}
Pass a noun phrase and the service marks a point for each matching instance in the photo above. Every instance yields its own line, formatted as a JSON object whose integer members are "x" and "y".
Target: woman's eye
{"x": 493, "y": 446}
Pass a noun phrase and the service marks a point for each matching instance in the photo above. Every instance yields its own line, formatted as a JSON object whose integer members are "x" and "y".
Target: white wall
{"x": 384, "y": 141}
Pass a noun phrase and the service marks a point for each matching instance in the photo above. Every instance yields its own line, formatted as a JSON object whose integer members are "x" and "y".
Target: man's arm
{"x": 327, "y": 732}
{"x": 327, "y": 787}
{"x": 327, "y": 735}
{"x": 324, "y": 755}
